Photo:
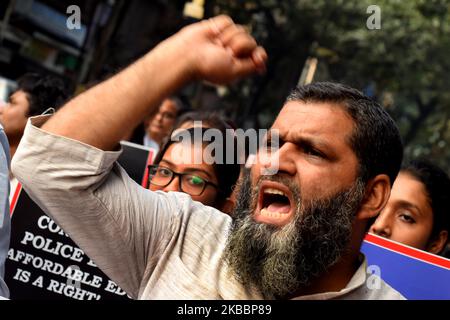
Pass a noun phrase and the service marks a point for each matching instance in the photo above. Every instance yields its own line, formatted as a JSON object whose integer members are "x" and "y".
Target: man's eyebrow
{"x": 313, "y": 142}
{"x": 304, "y": 141}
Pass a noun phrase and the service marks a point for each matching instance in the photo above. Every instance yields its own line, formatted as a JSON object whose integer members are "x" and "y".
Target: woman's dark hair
{"x": 227, "y": 174}
{"x": 43, "y": 92}
{"x": 208, "y": 119}
{"x": 437, "y": 186}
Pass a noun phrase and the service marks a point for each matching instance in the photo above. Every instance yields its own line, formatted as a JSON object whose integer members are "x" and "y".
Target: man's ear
{"x": 438, "y": 244}
{"x": 378, "y": 190}
{"x": 227, "y": 206}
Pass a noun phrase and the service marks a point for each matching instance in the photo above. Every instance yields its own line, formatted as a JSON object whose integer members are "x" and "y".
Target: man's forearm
{"x": 103, "y": 115}
{"x": 216, "y": 50}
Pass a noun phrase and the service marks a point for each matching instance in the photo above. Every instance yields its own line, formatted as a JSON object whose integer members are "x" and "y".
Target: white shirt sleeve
{"x": 121, "y": 226}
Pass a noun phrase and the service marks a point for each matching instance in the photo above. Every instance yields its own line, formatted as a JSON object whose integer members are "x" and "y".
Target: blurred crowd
{"x": 416, "y": 213}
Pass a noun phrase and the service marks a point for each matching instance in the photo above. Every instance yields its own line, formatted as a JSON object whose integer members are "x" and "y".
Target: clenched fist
{"x": 217, "y": 50}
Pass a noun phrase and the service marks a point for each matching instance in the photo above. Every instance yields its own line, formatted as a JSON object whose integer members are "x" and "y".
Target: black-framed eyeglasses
{"x": 188, "y": 182}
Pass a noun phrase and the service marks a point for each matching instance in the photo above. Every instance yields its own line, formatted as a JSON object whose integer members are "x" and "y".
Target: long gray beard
{"x": 279, "y": 261}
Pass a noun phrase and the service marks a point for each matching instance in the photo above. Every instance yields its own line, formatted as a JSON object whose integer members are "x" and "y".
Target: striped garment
{"x": 154, "y": 245}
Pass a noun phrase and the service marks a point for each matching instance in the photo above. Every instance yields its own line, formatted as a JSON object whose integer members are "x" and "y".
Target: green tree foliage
{"x": 405, "y": 64}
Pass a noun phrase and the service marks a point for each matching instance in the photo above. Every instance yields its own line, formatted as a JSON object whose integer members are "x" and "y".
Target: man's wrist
{"x": 172, "y": 60}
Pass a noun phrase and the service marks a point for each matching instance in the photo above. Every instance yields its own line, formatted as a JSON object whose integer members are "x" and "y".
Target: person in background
{"x": 301, "y": 215}
{"x": 34, "y": 95}
{"x": 5, "y": 223}
{"x": 160, "y": 125}
{"x": 210, "y": 184}
{"x": 189, "y": 119}
{"x": 417, "y": 213}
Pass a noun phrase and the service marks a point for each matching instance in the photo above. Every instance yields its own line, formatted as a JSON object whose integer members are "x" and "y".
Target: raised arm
{"x": 124, "y": 228}
{"x": 215, "y": 50}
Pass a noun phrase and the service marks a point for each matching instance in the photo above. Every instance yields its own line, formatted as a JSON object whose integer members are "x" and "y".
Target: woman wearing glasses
{"x": 177, "y": 167}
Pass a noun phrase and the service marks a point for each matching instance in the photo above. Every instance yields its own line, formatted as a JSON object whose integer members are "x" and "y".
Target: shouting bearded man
{"x": 296, "y": 233}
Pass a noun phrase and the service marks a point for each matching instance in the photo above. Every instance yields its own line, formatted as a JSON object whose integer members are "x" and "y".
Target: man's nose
{"x": 382, "y": 226}
{"x": 281, "y": 160}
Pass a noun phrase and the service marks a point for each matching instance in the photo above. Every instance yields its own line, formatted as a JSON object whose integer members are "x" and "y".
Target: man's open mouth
{"x": 275, "y": 204}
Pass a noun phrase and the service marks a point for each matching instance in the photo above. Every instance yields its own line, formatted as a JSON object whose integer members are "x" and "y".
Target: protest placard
{"x": 414, "y": 273}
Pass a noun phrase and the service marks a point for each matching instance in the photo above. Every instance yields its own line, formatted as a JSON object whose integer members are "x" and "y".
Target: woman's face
{"x": 162, "y": 123}
{"x": 181, "y": 159}
{"x": 408, "y": 216}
